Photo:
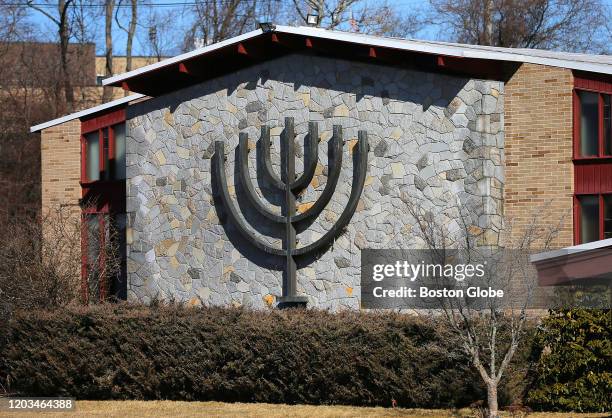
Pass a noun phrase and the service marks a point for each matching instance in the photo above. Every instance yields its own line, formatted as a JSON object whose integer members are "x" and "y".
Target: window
{"x": 594, "y": 217}
{"x": 594, "y": 120}
{"x": 92, "y": 256}
{"x": 103, "y": 256}
{"x": 589, "y": 218}
{"x": 92, "y": 158}
{"x": 607, "y": 216}
{"x": 104, "y": 154}
{"x": 607, "y": 124}
{"x": 119, "y": 166}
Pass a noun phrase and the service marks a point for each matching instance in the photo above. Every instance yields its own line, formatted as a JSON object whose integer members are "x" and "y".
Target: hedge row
{"x": 234, "y": 355}
{"x": 293, "y": 356}
{"x": 573, "y": 356}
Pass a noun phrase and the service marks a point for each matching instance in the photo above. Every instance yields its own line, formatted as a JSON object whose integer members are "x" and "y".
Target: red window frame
{"x": 592, "y": 174}
{"x": 101, "y": 213}
{"x": 107, "y": 196}
{"x": 578, "y": 213}
{"x": 602, "y": 87}
{"x": 100, "y": 123}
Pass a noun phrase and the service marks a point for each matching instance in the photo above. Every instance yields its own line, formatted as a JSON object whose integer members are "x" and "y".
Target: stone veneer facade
{"x": 433, "y": 138}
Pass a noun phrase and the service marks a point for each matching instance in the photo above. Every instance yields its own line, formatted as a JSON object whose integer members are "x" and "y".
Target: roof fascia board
{"x": 86, "y": 112}
{"x": 564, "y": 252}
{"x": 551, "y": 62}
{"x": 175, "y": 60}
{"x": 456, "y": 51}
{"x": 369, "y": 40}
{"x": 398, "y": 44}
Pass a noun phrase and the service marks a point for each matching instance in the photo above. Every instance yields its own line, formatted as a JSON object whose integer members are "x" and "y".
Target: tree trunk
{"x": 488, "y": 22}
{"x": 492, "y": 398}
{"x": 64, "y": 35}
{"x": 130, "y": 38}
{"x": 107, "y": 94}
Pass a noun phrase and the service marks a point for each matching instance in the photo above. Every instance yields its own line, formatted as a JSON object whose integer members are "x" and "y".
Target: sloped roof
{"x": 584, "y": 62}
{"x": 258, "y": 45}
{"x": 86, "y": 112}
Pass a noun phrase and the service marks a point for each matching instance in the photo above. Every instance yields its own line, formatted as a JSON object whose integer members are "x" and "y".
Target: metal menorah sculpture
{"x": 289, "y": 223}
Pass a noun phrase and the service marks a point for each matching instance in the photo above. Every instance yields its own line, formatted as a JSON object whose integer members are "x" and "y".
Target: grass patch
{"x": 220, "y": 409}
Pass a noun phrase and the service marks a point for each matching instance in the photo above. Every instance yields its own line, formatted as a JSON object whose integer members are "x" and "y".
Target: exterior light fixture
{"x": 312, "y": 20}
{"x": 266, "y": 26}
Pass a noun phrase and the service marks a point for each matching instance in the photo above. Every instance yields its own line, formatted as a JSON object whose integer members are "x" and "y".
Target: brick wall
{"x": 61, "y": 166}
{"x": 538, "y": 142}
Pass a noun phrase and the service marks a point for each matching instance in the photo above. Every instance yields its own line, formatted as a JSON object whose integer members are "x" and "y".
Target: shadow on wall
{"x": 364, "y": 87}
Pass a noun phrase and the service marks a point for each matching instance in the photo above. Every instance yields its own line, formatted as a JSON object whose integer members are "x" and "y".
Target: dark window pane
{"x": 93, "y": 256}
{"x": 118, "y": 283}
{"x": 607, "y": 111}
{"x": 92, "y": 156}
{"x": 106, "y": 166}
{"x": 589, "y": 218}
{"x": 607, "y": 216}
{"x": 119, "y": 157}
{"x": 589, "y": 123}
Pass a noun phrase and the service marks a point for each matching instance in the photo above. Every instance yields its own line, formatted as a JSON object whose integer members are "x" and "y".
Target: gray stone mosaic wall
{"x": 434, "y": 138}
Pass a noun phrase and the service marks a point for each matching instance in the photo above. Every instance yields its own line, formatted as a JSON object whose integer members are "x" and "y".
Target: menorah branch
{"x": 230, "y": 208}
{"x": 289, "y": 222}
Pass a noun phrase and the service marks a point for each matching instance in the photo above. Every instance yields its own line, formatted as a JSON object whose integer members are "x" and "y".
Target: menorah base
{"x": 285, "y": 302}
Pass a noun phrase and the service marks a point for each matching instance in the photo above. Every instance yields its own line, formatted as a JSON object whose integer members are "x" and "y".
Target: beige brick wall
{"x": 61, "y": 165}
{"x": 538, "y": 142}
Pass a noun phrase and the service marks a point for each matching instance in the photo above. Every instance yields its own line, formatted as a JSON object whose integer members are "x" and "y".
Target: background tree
{"x": 378, "y": 18}
{"x": 62, "y": 20}
{"x": 130, "y": 32}
{"x": 159, "y": 34}
{"x": 109, "y": 8}
{"x": 331, "y": 13}
{"x": 570, "y": 25}
{"x": 216, "y": 20}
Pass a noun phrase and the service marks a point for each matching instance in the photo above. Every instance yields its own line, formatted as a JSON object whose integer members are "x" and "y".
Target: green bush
{"x": 574, "y": 362}
{"x": 292, "y": 356}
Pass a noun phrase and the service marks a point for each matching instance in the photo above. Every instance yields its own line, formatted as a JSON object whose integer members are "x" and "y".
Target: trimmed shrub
{"x": 574, "y": 362}
{"x": 236, "y": 355}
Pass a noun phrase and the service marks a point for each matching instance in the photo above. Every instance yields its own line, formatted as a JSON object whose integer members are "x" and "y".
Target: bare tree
{"x": 216, "y": 20}
{"x": 109, "y": 7}
{"x": 23, "y": 99}
{"x": 573, "y": 25}
{"x": 159, "y": 37}
{"x": 377, "y": 18}
{"x": 61, "y": 19}
{"x": 491, "y": 333}
{"x": 331, "y": 13}
{"x": 45, "y": 254}
{"x": 130, "y": 32}
{"x": 40, "y": 261}
{"x": 385, "y": 20}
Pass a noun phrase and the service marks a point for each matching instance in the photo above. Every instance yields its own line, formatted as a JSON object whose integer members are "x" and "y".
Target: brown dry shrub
{"x": 40, "y": 261}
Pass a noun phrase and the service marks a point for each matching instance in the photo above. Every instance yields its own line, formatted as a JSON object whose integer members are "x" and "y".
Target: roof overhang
{"x": 88, "y": 112}
{"x": 575, "y": 264}
{"x": 257, "y": 46}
